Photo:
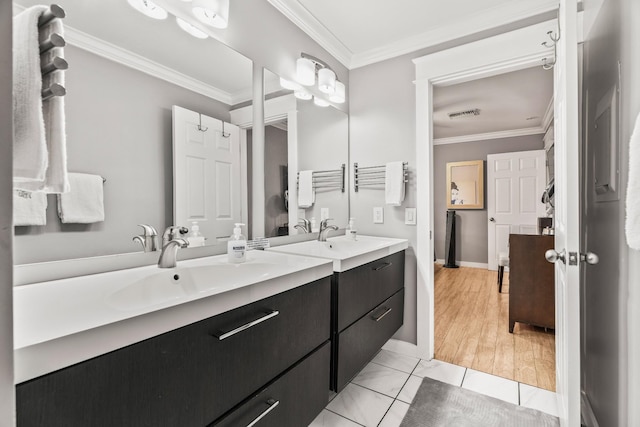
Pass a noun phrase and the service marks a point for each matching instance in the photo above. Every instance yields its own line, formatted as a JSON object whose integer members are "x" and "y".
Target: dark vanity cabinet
{"x": 217, "y": 371}
{"x": 368, "y": 308}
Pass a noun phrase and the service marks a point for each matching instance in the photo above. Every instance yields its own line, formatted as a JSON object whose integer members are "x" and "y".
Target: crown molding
{"x": 125, "y": 57}
{"x": 485, "y": 20}
{"x": 539, "y": 130}
{"x": 301, "y": 17}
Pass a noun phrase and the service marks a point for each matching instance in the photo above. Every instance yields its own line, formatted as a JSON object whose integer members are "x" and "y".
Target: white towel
{"x": 394, "y": 183}
{"x": 30, "y": 157}
{"x": 40, "y": 160}
{"x": 632, "y": 224}
{"x": 306, "y": 195}
{"x": 29, "y": 208}
{"x": 84, "y": 203}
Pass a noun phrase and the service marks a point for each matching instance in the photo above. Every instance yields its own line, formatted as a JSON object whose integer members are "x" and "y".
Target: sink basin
{"x": 61, "y": 322}
{"x": 345, "y": 252}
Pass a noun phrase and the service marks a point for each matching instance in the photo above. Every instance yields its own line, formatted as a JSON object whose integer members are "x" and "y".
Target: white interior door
{"x": 515, "y": 182}
{"x": 567, "y": 216}
{"x": 207, "y": 174}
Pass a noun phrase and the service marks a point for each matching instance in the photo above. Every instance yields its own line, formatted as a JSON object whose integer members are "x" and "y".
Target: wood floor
{"x": 471, "y": 329}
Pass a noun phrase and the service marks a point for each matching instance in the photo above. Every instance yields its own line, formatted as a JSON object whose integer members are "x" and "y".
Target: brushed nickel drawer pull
{"x": 379, "y": 318}
{"x": 382, "y": 266}
{"x": 272, "y": 405}
{"x": 246, "y": 326}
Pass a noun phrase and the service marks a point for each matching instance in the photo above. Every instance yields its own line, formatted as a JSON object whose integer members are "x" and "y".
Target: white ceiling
{"x": 513, "y": 104}
{"x": 360, "y": 32}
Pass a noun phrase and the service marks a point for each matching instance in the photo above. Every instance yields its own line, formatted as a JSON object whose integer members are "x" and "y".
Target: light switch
{"x": 324, "y": 213}
{"x": 410, "y": 216}
{"x": 378, "y": 215}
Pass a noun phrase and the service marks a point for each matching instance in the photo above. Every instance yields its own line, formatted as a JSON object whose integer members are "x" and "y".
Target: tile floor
{"x": 379, "y": 396}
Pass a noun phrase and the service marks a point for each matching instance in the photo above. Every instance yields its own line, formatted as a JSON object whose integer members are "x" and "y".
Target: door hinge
{"x": 573, "y": 258}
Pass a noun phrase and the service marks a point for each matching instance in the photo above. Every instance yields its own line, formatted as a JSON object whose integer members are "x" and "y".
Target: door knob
{"x": 492, "y": 219}
{"x": 590, "y": 258}
{"x": 552, "y": 255}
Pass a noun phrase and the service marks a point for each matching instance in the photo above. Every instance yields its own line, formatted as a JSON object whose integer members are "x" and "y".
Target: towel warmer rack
{"x": 328, "y": 179}
{"x": 373, "y": 175}
{"x": 49, "y": 42}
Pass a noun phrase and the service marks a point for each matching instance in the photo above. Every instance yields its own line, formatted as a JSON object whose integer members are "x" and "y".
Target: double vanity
{"x": 207, "y": 342}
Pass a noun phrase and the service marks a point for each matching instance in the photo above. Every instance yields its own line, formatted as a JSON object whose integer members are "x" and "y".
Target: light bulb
{"x": 288, "y": 84}
{"x": 320, "y": 102}
{"x": 305, "y": 72}
{"x": 326, "y": 80}
{"x": 149, "y": 9}
{"x": 339, "y": 96}
{"x": 214, "y": 13}
{"x": 302, "y": 94}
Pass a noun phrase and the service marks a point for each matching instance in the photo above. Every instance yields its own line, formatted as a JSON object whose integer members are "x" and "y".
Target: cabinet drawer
{"x": 357, "y": 345}
{"x": 361, "y": 289}
{"x": 186, "y": 377}
{"x": 293, "y": 400}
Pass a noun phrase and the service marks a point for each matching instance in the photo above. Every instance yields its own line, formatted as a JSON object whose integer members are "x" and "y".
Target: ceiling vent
{"x": 465, "y": 113}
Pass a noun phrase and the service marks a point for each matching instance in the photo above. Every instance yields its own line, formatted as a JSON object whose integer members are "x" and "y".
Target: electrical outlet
{"x": 324, "y": 213}
{"x": 410, "y": 216}
{"x": 378, "y": 215}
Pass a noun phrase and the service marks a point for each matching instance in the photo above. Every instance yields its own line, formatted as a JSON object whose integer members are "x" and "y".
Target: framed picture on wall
{"x": 465, "y": 185}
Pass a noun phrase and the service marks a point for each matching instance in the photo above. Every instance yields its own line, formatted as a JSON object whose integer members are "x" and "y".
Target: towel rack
{"x": 328, "y": 179}
{"x": 373, "y": 175}
{"x": 47, "y": 44}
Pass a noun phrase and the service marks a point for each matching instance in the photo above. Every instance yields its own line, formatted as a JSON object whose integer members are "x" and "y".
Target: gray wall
{"x": 7, "y": 393}
{"x": 471, "y": 225}
{"x": 118, "y": 126}
{"x": 275, "y": 164}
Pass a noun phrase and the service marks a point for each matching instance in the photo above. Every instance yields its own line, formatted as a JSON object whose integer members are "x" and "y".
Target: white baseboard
{"x": 588, "y": 417}
{"x": 482, "y": 265}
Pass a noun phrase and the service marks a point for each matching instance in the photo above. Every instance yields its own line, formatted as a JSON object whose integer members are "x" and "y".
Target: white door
{"x": 567, "y": 217}
{"x": 515, "y": 182}
{"x": 207, "y": 174}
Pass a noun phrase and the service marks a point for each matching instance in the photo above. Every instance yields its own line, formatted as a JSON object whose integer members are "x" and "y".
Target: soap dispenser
{"x": 351, "y": 231}
{"x": 237, "y": 246}
{"x": 195, "y": 238}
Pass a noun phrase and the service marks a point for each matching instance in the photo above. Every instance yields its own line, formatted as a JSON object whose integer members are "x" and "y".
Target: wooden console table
{"x": 531, "y": 281}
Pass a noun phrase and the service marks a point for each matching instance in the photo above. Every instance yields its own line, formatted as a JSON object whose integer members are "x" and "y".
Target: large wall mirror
{"x": 300, "y": 137}
{"x": 126, "y": 71}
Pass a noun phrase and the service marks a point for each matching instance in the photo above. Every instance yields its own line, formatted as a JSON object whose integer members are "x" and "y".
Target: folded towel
{"x": 84, "y": 203}
{"x": 394, "y": 183}
{"x": 30, "y": 159}
{"x": 632, "y": 224}
{"x": 29, "y": 208}
{"x": 306, "y": 195}
{"x": 40, "y": 159}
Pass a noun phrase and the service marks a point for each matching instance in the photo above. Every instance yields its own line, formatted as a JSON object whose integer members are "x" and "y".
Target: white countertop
{"x": 63, "y": 322}
{"x": 345, "y": 252}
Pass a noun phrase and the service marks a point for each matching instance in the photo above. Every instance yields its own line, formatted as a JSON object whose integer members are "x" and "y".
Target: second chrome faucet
{"x": 171, "y": 242}
{"x": 324, "y": 229}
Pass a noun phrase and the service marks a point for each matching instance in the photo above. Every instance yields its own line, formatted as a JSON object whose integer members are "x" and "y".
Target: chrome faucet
{"x": 305, "y": 226}
{"x": 148, "y": 239}
{"x": 170, "y": 245}
{"x": 324, "y": 229}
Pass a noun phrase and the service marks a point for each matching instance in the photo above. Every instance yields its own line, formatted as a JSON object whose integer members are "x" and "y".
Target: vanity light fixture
{"x": 308, "y": 67}
{"x": 148, "y": 8}
{"x": 195, "y": 32}
{"x": 214, "y": 13}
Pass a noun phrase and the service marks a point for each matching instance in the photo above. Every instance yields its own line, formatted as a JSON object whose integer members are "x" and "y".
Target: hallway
{"x": 471, "y": 329}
